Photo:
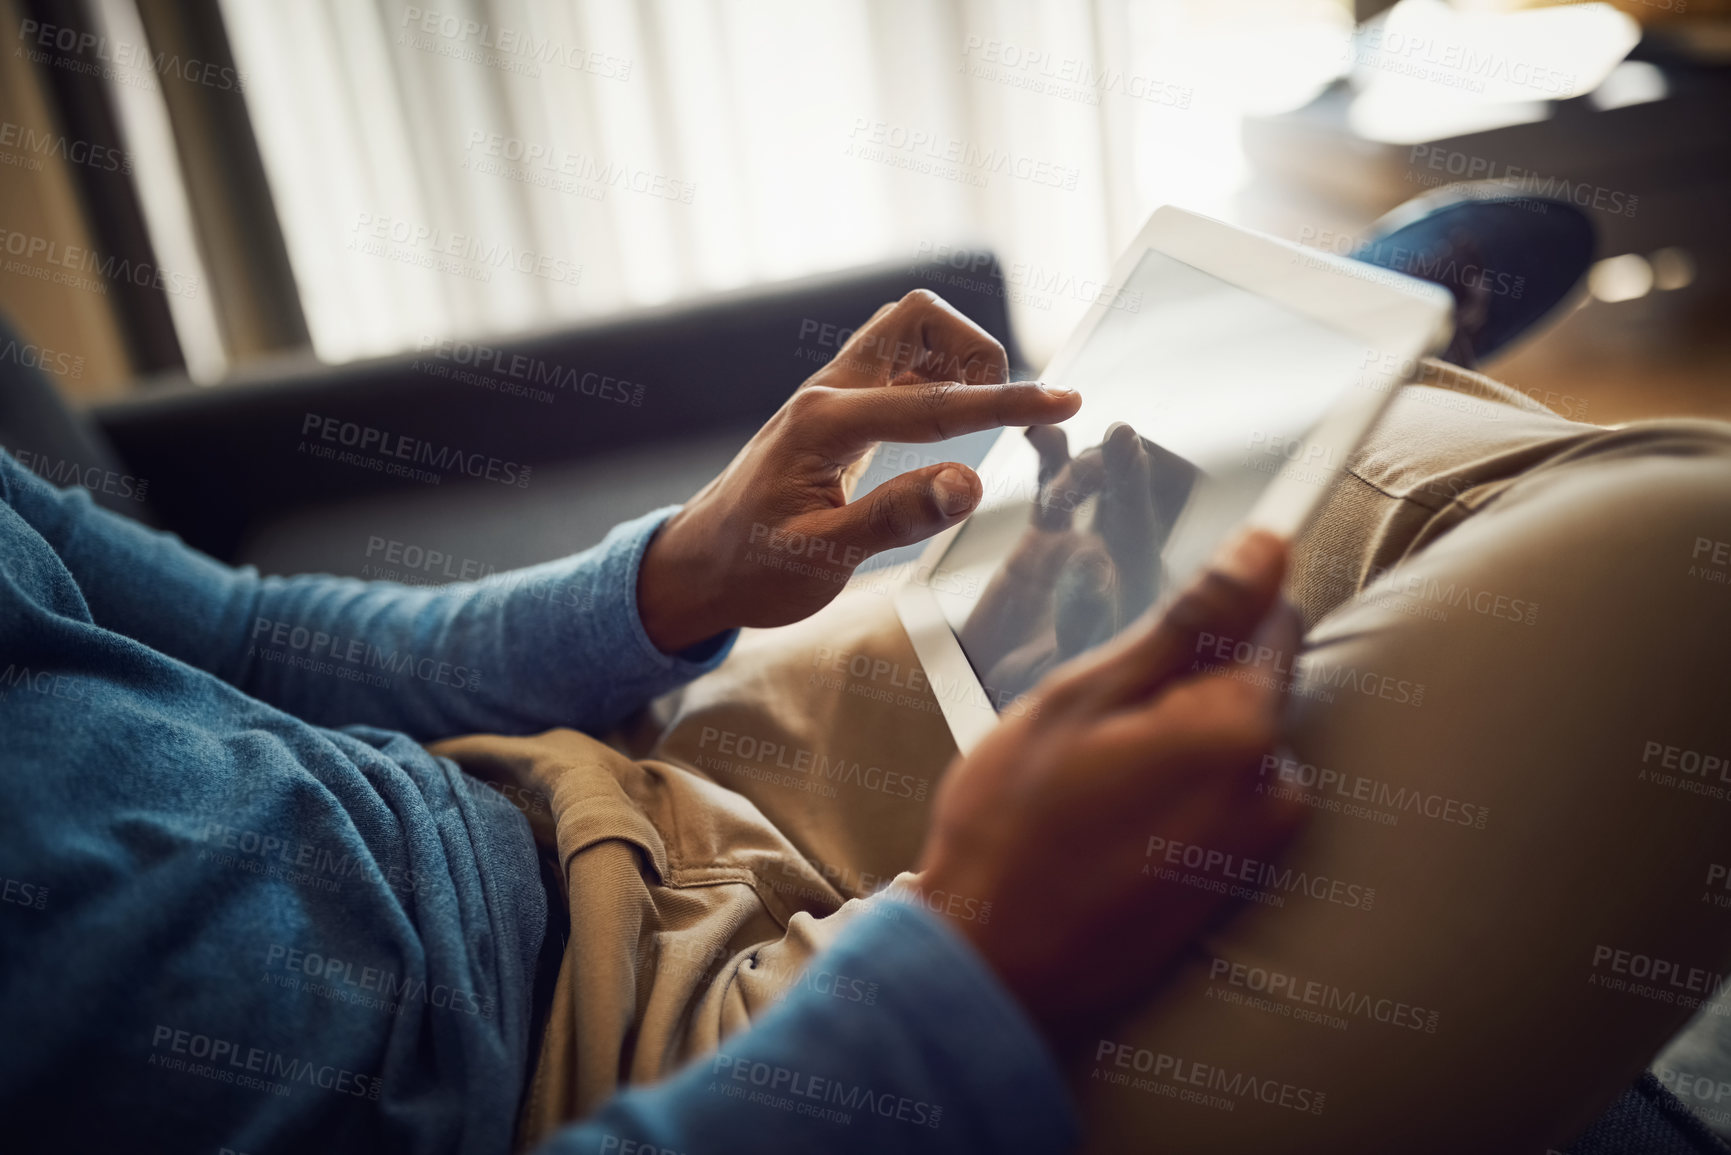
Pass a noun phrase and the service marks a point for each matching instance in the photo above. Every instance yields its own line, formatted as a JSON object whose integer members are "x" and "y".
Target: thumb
{"x": 905, "y": 509}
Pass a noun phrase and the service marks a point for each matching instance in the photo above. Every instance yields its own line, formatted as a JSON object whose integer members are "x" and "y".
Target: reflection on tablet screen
{"x": 1193, "y": 400}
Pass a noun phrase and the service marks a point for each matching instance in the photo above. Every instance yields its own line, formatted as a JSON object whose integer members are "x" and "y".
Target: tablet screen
{"x": 1196, "y": 393}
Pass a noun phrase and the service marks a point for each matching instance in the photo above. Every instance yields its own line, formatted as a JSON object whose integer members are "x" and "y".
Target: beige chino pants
{"x": 1510, "y": 720}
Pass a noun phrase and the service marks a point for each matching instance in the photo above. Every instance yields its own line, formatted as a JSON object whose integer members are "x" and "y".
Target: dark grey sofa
{"x": 644, "y": 408}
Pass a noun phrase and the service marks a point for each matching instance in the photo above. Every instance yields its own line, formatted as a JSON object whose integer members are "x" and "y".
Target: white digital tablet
{"x": 1224, "y": 383}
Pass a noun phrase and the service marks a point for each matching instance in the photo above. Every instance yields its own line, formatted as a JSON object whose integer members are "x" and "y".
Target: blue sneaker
{"x": 1509, "y": 260}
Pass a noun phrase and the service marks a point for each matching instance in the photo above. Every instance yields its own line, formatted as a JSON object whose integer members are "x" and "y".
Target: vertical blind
{"x": 472, "y": 167}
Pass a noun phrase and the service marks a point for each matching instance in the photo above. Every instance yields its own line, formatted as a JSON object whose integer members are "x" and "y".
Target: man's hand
{"x": 1050, "y": 819}
{"x": 774, "y": 538}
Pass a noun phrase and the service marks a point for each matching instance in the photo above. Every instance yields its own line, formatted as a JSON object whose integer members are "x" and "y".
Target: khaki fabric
{"x": 701, "y": 878}
{"x": 1507, "y": 848}
{"x": 1508, "y": 665}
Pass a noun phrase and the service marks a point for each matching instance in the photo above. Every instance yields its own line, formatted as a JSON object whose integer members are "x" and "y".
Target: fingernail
{"x": 953, "y": 492}
{"x": 1061, "y": 391}
{"x": 1246, "y": 556}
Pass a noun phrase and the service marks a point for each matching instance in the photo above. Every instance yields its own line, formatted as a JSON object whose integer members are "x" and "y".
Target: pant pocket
{"x": 689, "y": 913}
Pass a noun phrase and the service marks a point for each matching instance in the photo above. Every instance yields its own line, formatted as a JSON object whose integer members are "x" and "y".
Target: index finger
{"x": 938, "y": 412}
{"x": 923, "y": 338}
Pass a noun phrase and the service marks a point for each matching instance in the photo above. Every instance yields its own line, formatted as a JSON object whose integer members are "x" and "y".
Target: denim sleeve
{"x": 932, "y": 1056}
{"x": 558, "y": 644}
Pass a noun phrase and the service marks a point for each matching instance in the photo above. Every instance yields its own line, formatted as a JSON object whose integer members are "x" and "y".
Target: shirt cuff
{"x": 633, "y": 538}
{"x": 997, "y": 1066}
{"x": 577, "y": 651}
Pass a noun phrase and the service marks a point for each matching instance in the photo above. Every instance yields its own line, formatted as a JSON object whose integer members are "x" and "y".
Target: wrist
{"x": 953, "y": 900}
{"x": 676, "y": 590}
{"x": 958, "y": 898}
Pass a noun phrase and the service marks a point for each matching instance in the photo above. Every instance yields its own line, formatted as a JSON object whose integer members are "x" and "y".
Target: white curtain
{"x": 492, "y": 166}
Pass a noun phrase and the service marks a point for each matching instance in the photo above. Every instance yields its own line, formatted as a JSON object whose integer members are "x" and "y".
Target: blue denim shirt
{"x": 241, "y": 907}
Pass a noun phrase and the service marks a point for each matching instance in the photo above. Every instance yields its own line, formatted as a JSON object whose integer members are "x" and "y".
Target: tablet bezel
{"x": 1402, "y": 317}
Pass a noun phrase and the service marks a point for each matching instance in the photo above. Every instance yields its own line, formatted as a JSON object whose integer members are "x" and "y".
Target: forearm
{"x": 554, "y": 644}
{"x": 557, "y": 644}
{"x": 942, "y": 1060}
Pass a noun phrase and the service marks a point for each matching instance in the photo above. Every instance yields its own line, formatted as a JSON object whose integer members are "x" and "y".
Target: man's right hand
{"x": 777, "y": 535}
{"x": 1050, "y": 819}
